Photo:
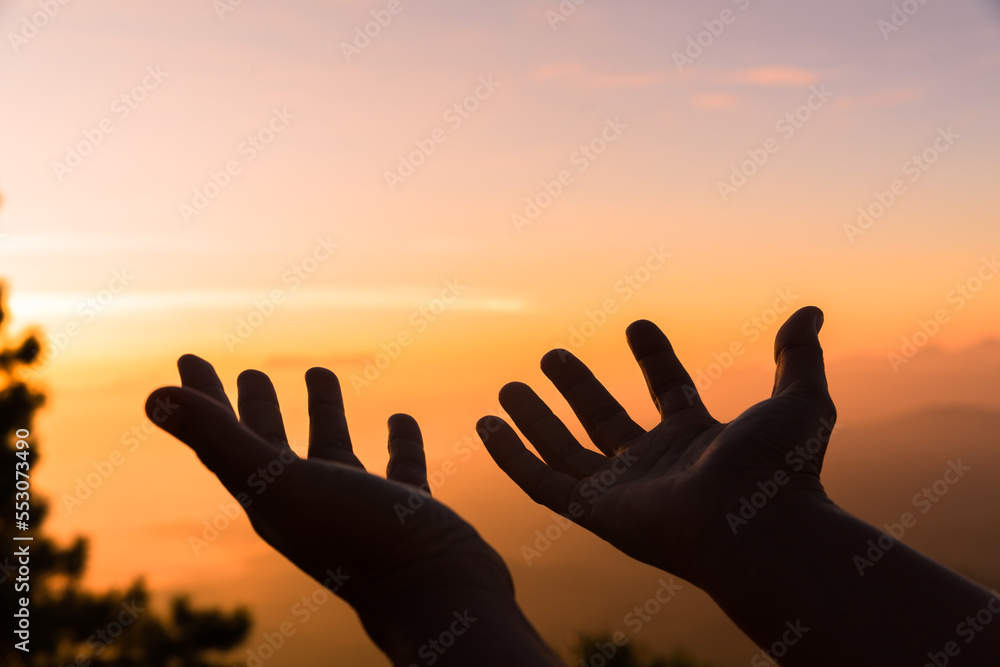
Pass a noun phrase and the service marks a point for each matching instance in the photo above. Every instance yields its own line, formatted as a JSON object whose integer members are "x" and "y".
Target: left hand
{"x": 356, "y": 533}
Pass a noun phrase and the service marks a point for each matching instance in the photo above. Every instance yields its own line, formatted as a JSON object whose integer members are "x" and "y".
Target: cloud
{"x": 574, "y": 74}
{"x": 776, "y": 76}
{"x": 39, "y": 305}
{"x": 715, "y": 101}
{"x": 880, "y": 100}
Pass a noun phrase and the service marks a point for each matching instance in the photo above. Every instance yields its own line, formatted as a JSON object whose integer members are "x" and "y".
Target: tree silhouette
{"x": 600, "y": 650}
{"x": 70, "y": 626}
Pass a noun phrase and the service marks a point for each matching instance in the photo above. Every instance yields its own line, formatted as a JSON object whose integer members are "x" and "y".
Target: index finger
{"x": 198, "y": 374}
{"x": 670, "y": 385}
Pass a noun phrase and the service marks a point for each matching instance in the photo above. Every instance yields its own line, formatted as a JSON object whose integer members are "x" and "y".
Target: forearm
{"x": 486, "y": 630}
{"x": 820, "y": 587}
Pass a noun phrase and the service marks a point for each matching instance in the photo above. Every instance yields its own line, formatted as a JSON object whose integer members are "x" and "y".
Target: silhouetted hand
{"x": 738, "y": 509}
{"x": 670, "y": 496}
{"x": 409, "y": 566}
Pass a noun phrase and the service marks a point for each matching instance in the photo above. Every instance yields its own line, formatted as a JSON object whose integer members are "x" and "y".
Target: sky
{"x": 428, "y": 207}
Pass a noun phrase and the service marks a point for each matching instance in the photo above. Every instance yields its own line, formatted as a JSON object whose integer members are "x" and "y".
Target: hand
{"x": 671, "y": 496}
{"x": 354, "y": 532}
{"x": 738, "y": 509}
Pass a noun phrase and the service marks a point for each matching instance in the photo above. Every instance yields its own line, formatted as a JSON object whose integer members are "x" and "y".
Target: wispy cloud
{"x": 776, "y": 76}
{"x": 715, "y": 101}
{"x": 880, "y": 100}
{"x": 43, "y": 305}
{"x": 573, "y": 73}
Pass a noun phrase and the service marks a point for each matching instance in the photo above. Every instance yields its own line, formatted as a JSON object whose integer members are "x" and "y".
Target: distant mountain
{"x": 865, "y": 388}
{"x": 879, "y": 471}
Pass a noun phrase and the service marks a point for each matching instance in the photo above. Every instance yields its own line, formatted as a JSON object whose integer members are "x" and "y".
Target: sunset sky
{"x": 265, "y": 186}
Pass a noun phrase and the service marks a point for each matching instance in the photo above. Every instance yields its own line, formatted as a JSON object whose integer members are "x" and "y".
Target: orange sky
{"x": 176, "y": 180}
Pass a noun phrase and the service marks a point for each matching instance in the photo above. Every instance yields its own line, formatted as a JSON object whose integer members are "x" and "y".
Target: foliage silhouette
{"x": 69, "y": 625}
{"x": 599, "y": 649}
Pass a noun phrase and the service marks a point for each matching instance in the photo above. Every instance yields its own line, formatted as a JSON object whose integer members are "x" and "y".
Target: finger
{"x": 603, "y": 417}
{"x": 257, "y": 403}
{"x": 799, "y": 358}
{"x": 198, "y": 374}
{"x": 542, "y": 484}
{"x": 407, "y": 463}
{"x": 231, "y": 451}
{"x": 329, "y": 438}
{"x": 550, "y": 437}
{"x": 669, "y": 384}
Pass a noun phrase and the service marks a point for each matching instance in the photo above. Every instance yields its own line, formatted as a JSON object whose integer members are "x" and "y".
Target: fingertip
{"x": 321, "y": 378}
{"x": 554, "y": 358}
{"x": 250, "y": 375}
{"x": 188, "y": 363}
{"x": 640, "y": 326}
{"x": 812, "y": 314}
{"x": 801, "y": 327}
{"x": 403, "y": 422}
{"x": 164, "y": 410}
{"x": 798, "y": 357}
{"x": 644, "y": 337}
{"x": 487, "y": 425}
{"x": 512, "y": 390}
{"x": 318, "y": 372}
{"x": 189, "y": 358}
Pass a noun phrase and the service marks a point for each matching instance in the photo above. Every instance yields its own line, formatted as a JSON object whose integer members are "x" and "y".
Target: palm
{"x": 667, "y": 495}
{"x": 375, "y": 542}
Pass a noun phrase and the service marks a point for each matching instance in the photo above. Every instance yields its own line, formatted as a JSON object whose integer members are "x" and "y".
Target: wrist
{"x": 458, "y": 612}
{"x": 761, "y": 531}
{"x": 477, "y": 627}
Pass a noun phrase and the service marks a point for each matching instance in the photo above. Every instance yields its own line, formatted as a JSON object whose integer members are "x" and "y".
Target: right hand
{"x": 669, "y": 496}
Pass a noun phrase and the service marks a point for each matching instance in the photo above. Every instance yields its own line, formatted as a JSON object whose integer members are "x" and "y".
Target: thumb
{"x": 799, "y": 358}
{"x": 228, "y": 449}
